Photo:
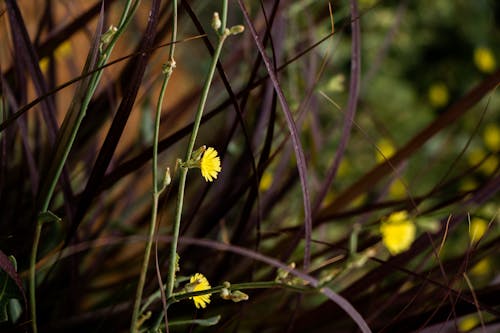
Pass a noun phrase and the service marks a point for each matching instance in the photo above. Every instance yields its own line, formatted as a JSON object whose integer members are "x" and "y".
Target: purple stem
{"x": 297, "y": 146}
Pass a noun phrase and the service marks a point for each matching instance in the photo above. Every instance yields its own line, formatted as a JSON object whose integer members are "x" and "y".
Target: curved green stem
{"x": 168, "y": 70}
{"x": 237, "y": 286}
{"x": 189, "y": 151}
{"x": 34, "y": 251}
{"x": 154, "y": 211}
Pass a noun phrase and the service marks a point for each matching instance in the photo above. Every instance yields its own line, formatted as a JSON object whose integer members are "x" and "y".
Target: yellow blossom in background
{"x": 397, "y": 189}
{"x": 468, "y": 184}
{"x": 44, "y": 64}
{"x": 265, "y": 181}
{"x": 482, "y": 268}
{"x": 475, "y": 156}
{"x": 366, "y": 4}
{"x": 344, "y": 168}
{"x": 487, "y": 166}
{"x": 477, "y": 228}
{"x": 210, "y": 164}
{"x": 491, "y": 137}
{"x": 329, "y": 198}
{"x": 490, "y": 165}
{"x": 199, "y": 282}
{"x": 438, "y": 95}
{"x": 398, "y": 232}
{"x": 336, "y": 83}
{"x": 62, "y": 51}
{"x": 385, "y": 149}
{"x": 467, "y": 323}
{"x": 484, "y": 59}
{"x": 358, "y": 201}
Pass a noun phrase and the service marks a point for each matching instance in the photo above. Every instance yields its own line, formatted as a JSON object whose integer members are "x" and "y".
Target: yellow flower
{"x": 398, "y": 232}
{"x": 210, "y": 164}
{"x": 385, "y": 150}
{"x": 477, "y": 228}
{"x": 468, "y": 184}
{"x": 358, "y": 201}
{"x": 265, "y": 181}
{"x": 491, "y": 137}
{"x": 62, "y": 51}
{"x": 438, "y": 95}
{"x": 484, "y": 60}
{"x": 344, "y": 168}
{"x": 336, "y": 83}
{"x": 487, "y": 166}
{"x": 199, "y": 282}
{"x": 467, "y": 323}
{"x": 490, "y": 165}
{"x": 482, "y": 268}
{"x": 397, "y": 190}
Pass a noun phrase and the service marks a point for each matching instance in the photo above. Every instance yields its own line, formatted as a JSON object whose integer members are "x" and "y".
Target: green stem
{"x": 237, "y": 286}
{"x": 34, "y": 251}
{"x": 224, "y": 17}
{"x": 154, "y": 208}
{"x": 175, "y": 236}
{"x": 353, "y": 240}
{"x": 156, "y": 191}
{"x": 189, "y": 151}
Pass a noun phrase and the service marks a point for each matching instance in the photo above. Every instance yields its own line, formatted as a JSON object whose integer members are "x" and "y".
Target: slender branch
{"x": 167, "y": 71}
{"x": 34, "y": 251}
{"x": 189, "y": 151}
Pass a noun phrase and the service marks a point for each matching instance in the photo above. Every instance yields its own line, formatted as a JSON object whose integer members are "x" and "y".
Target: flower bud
{"x": 216, "y": 22}
{"x": 238, "y": 296}
{"x": 236, "y": 29}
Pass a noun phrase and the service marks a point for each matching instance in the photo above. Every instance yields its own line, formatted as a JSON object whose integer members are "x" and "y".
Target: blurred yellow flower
{"x": 467, "y": 323}
{"x": 397, "y": 189}
{"x": 358, "y": 201}
{"x": 491, "y": 137}
{"x": 344, "y": 168}
{"x": 367, "y": 3}
{"x": 62, "y": 51}
{"x": 329, "y": 198}
{"x": 468, "y": 184}
{"x": 336, "y": 83}
{"x": 438, "y": 95}
{"x": 487, "y": 166}
{"x": 477, "y": 228}
{"x": 398, "y": 232}
{"x": 484, "y": 59}
{"x": 482, "y": 268}
{"x": 199, "y": 282}
{"x": 475, "y": 156}
{"x": 385, "y": 149}
{"x": 490, "y": 165}
{"x": 210, "y": 164}
{"x": 265, "y": 181}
